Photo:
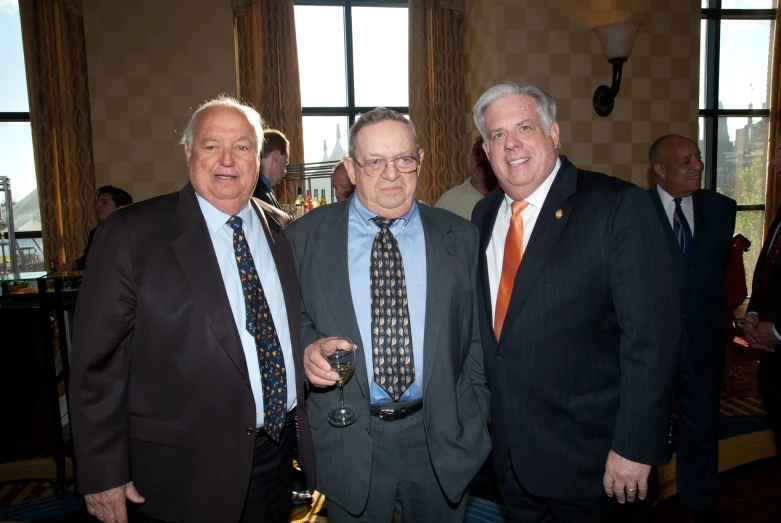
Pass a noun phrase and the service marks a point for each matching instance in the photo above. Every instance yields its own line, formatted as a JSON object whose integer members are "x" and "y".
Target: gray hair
{"x": 380, "y": 114}
{"x": 338, "y": 164}
{"x": 546, "y": 106}
{"x": 225, "y": 100}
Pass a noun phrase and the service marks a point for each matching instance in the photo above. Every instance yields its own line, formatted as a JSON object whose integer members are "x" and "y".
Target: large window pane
{"x": 321, "y": 59}
{"x": 325, "y": 140}
{"x": 13, "y": 86}
{"x": 747, "y": 4}
{"x": 380, "y": 55}
{"x": 742, "y": 158}
{"x": 703, "y": 60}
{"x": 744, "y": 74}
{"x": 18, "y": 164}
{"x": 751, "y": 225}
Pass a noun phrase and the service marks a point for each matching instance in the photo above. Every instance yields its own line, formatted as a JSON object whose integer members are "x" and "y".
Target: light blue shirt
{"x": 222, "y": 240}
{"x": 408, "y": 231}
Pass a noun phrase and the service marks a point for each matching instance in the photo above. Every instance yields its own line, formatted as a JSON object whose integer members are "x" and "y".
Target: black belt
{"x": 387, "y": 413}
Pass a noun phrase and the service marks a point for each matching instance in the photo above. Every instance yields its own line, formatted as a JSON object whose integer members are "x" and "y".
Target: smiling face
{"x": 679, "y": 167}
{"x": 521, "y": 151}
{"x": 390, "y": 194}
{"x": 224, "y": 160}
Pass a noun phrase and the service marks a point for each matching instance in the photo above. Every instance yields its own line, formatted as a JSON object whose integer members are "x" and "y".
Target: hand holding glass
{"x": 340, "y": 353}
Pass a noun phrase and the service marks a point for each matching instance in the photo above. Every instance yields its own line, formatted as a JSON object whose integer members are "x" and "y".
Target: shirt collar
{"x": 537, "y": 198}
{"x": 262, "y": 178}
{"x": 215, "y": 218}
{"x": 667, "y": 199}
{"x": 366, "y": 215}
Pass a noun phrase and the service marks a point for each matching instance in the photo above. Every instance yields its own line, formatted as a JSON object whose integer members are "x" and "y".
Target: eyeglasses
{"x": 377, "y": 166}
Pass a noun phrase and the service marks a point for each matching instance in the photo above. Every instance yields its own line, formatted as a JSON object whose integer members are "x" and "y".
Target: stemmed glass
{"x": 342, "y": 362}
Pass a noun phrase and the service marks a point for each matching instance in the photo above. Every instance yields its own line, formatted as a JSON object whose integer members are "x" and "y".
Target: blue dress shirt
{"x": 266, "y": 183}
{"x": 222, "y": 239}
{"x": 408, "y": 231}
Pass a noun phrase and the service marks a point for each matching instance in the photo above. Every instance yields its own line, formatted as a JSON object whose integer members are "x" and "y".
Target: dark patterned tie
{"x": 681, "y": 229}
{"x": 261, "y": 325}
{"x": 394, "y": 366}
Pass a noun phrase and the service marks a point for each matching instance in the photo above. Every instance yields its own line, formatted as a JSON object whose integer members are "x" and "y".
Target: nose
{"x": 227, "y": 156}
{"x": 390, "y": 172}
{"x": 512, "y": 140}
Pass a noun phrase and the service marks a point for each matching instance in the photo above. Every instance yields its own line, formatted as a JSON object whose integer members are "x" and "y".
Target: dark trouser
{"x": 403, "y": 484}
{"x": 769, "y": 384}
{"x": 523, "y": 507}
{"x": 697, "y": 455}
{"x": 268, "y": 496}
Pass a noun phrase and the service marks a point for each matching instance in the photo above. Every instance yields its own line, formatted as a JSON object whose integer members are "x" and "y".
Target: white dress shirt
{"x": 222, "y": 240}
{"x": 494, "y": 254}
{"x": 687, "y": 206}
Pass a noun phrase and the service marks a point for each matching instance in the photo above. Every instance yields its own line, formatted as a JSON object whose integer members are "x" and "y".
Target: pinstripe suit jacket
{"x": 455, "y": 396}
{"x": 589, "y": 349}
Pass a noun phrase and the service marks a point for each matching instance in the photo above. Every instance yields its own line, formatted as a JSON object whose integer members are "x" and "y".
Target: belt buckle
{"x": 388, "y": 414}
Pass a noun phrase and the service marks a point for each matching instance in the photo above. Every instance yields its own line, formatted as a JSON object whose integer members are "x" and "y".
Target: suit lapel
{"x": 334, "y": 272}
{"x": 440, "y": 247}
{"x": 204, "y": 277}
{"x": 550, "y": 223}
{"x": 661, "y": 213}
{"x": 486, "y": 231}
{"x": 699, "y": 232}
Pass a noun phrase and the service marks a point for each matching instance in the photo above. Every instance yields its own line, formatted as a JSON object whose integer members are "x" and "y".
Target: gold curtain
{"x": 267, "y": 66}
{"x": 436, "y": 95}
{"x": 773, "y": 189}
{"x": 56, "y": 67}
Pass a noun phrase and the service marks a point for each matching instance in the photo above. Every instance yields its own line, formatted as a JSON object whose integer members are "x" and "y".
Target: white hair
{"x": 225, "y": 100}
{"x": 546, "y": 106}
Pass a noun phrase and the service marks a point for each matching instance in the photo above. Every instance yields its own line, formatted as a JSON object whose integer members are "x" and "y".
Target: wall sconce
{"x": 616, "y": 39}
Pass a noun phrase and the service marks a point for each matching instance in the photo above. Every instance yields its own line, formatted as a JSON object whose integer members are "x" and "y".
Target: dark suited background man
{"x": 340, "y": 181}
{"x": 417, "y": 443}
{"x": 462, "y": 199}
{"x": 579, "y": 323}
{"x": 763, "y": 319}
{"x": 698, "y": 225}
{"x": 167, "y": 401}
{"x": 273, "y": 165}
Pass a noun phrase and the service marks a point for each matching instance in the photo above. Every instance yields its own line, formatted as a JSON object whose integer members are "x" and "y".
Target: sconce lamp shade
{"x": 617, "y": 38}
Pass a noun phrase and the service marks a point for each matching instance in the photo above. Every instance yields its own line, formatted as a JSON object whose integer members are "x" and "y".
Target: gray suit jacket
{"x": 455, "y": 395}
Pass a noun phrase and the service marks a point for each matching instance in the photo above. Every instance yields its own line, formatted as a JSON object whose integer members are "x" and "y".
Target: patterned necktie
{"x": 681, "y": 229}
{"x": 513, "y": 252}
{"x": 771, "y": 259}
{"x": 261, "y": 325}
{"x": 393, "y": 362}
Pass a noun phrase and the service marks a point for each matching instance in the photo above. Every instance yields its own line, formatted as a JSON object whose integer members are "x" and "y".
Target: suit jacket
{"x": 700, "y": 276}
{"x": 82, "y": 262}
{"x": 159, "y": 390}
{"x": 589, "y": 347}
{"x": 455, "y": 396}
{"x": 265, "y": 195}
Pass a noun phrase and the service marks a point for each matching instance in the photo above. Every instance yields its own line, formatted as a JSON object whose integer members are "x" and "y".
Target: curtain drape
{"x": 267, "y": 66}
{"x": 436, "y": 95}
{"x": 56, "y": 70}
{"x": 773, "y": 189}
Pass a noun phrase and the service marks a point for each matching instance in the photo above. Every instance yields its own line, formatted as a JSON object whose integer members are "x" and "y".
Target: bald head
{"x": 677, "y": 165}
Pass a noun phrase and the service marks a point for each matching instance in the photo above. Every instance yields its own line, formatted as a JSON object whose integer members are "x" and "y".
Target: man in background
{"x": 698, "y": 226}
{"x": 273, "y": 165}
{"x": 763, "y": 318}
{"x": 463, "y": 198}
{"x": 340, "y": 181}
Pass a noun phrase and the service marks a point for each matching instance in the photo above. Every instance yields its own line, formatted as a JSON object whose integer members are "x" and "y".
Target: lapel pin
{"x": 559, "y": 214}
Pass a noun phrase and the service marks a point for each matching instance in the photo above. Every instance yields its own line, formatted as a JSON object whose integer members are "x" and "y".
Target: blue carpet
{"x": 42, "y": 508}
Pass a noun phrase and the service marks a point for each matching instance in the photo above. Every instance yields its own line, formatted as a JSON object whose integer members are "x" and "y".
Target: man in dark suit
{"x": 398, "y": 279}
{"x": 186, "y": 370}
{"x": 273, "y": 165}
{"x": 579, "y": 325}
{"x": 763, "y": 318}
{"x": 698, "y": 225}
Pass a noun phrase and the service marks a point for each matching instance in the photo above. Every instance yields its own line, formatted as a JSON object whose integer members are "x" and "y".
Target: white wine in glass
{"x": 343, "y": 363}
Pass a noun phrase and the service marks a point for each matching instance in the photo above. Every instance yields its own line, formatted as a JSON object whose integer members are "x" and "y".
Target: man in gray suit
{"x": 398, "y": 278}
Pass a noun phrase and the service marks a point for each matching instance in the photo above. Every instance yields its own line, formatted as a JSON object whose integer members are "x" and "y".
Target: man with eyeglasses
{"x": 398, "y": 279}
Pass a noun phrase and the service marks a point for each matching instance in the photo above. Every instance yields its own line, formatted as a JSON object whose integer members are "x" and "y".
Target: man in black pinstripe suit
{"x": 579, "y": 321}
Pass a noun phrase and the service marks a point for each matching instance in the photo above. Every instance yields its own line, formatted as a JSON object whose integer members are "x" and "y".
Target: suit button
{"x": 688, "y": 265}
{"x": 500, "y": 355}
{"x": 688, "y": 292}
{"x": 684, "y": 318}
{"x": 368, "y": 431}
{"x": 250, "y": 430}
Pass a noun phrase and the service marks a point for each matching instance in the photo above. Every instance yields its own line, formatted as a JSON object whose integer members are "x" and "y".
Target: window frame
{"x": 714, "y": 14}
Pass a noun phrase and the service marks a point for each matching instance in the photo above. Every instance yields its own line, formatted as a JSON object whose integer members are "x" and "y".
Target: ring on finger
{"x": 631, "y": 490}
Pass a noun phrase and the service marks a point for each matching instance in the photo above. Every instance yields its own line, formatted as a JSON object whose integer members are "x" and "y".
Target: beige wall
{"x": 550, "y": 43}
{"x": 150, "y": 64}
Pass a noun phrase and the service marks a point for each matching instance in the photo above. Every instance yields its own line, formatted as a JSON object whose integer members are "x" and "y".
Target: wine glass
{"x": 342, "y": 362}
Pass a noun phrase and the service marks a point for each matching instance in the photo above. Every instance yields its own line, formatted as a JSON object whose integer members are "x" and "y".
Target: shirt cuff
{"x": 775, "y": 331}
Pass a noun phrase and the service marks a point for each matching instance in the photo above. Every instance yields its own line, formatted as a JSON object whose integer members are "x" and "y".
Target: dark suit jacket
{"x": 767, "y": 304}
{"x": 454, "y": 391}
{"x": 589, "y": 348}
{"x": 265, "y": 194}
{"x": 700, "y": 276}
{"x": 82, "y": 262}
{"x": 159, "y": 390}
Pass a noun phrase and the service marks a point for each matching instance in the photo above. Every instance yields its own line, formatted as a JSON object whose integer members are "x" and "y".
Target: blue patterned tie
{"x": 394, "y": 367}
{"x": 681, "y": 229}
{"x": 261, "y": 325}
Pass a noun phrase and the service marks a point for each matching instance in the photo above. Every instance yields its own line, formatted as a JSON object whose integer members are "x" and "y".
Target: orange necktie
{"x": 513, "y": 252}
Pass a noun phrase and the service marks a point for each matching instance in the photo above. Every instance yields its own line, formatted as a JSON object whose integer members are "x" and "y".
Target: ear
{"x": 554, "y": 134}
{"x": 487, "y": 150}
{"x": 187, "y": 153}
{"x": 420, "y": 159}
{"x": 350, "y": 166}
{"x": 660, "y": 171}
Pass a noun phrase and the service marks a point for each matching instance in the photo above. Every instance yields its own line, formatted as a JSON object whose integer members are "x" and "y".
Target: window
{"x": 735, "y": 65}
{"x": 16, "y": 146}
{"x": 352, "y": 57}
